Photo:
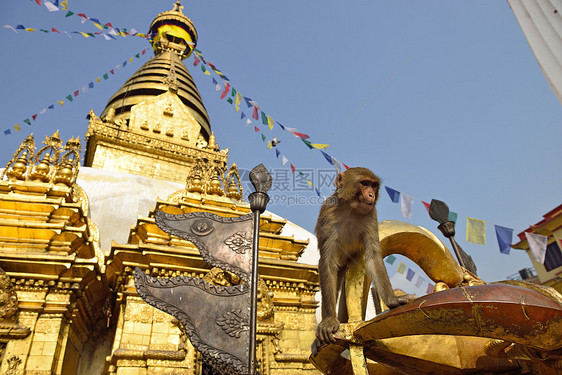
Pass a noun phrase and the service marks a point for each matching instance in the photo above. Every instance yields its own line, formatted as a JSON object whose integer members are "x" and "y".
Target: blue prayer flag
{"x": 317, "y": 192}
{"x": 393, "y": 194}
{"x": 328, "y": 157}
{"x": 505, "y": 236}
{"x": 410, "y": 275}
{"x": 282, "y": 127}
{"x": 91, "y": 85}
{"x": 20, "y": 27}
{"x": 242, "y": 115}
{"x": 277, "y": 153}
{"x": 52, "y": 106}
{"x": 214, "y": 81}
{"x": 7, "y": 131}
{"x": 248, "y": 100}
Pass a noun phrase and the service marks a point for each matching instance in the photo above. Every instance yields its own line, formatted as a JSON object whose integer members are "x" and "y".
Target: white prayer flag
{"x": 537, "y": 245}
{"x": 51, "y": 7}
{"x": 10, "y": 27}
{"x": 406, "y": 205}
{"x": 285, "y": 160}
{"x": 248, "y": 121}
{"x": 43, "y": 111}
{"x": 106, "y": 37}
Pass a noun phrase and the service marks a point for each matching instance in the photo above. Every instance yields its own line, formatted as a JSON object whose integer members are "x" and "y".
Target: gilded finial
{"x": 178, "y": 7}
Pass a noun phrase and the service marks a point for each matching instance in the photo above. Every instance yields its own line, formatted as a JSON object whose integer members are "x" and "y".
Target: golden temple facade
{"x": 68, "y": 252}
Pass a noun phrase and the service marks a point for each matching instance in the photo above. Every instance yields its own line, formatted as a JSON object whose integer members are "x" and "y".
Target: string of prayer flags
{"x": 393, "y": 194}
{"x": 70, "y": 97}
{"x": 406, "y": 206}
{"x": 537, "y": 245}
{"x": 475, "y": 231}
{"x": 505, "y": 236}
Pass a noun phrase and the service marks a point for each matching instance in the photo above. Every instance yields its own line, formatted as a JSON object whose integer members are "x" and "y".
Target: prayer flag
{"x": 426, "y": 205}
{"x": 339, "y": 166}
{"x": 393, "y": 194}
{"x": 10, "y": 27}
{"x": 43, "y": 111}
{"x": 248, "y": 121}
{"x": 17, "y": 127}
{"x": 51, "y": 7}
{"x": 7, "y": 131}
{"x": 38, "y": 2}
{"x": 34, "y": 116}
{"x": 453, "y": 216}
{"x": 410, "y": 275}
{"x": 91, "y": 85}
{"x": 327, "y": 157}
{"x": 475, "y": 231}
{"x": 256, "y": 129}
{"x": 255, "y": 113}
{"x": 277, "y": 153}
{"x": 284, "y": 160}
{"x": 430, "y": 287}
{"x": 229, "y": 100}
{"x": 137, "y": 55}
{"x": 307, "y": 143}
{"x": 390, "y": 259}
{"x": 242, "y": 115}
{"x": 401, "y": 268}
{"x": 105, "y": 76}
{"x": 55, "y": 30}
{"x": 52, "y": 106}
{"x": 320, "y": 146}
{"x": 111, "y": 71}
{"x": 237, "y": 101}
{"x": 270, "y": 123}
{"x": 310, "y": 183}
{"x": 76, "y": 93}
{"x": 406, "y": 205}
{"x": 20, "y": 27}
{"x": 301, "y": 135}
{"x": 282, "y": 127}
{"x": 419, "y": 281}
{"x": 27, "y": 121}
{"x": 225, "y": 92}
{"x": 293, "y": 168}
{"x": 248, "y": 101}
{"x": 124, "y": 63}
{"x": 64, "y": 5}
{"x": 505, "y": 236}
{"x": 263, "y": 137}
{"x": 537, "y": 246}
{"x": 69, "y": 97}
{"x": 263, "y": 118}
{"x": 61, "y": 102}
{"x": 317, "y": 192}
{"x": 269, "y": 146}
{"x": 233, "y": 92}
{"x": 84, "y": 88}
{"x": 69, "y": 13}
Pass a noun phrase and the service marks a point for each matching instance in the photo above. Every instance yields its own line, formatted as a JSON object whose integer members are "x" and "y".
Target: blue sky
{"x": 442, "y": 99}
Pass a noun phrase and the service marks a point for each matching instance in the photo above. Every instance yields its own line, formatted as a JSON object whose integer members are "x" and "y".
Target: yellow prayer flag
{"x": 319, "y": 146}
{"x": 270, "y": 123}
{"x": 60, "y": 102}
{"x": 269, "y": 146}
{"x": 98, "y": 79}
{"x": 29, "y": 29}
{"x": 207, "y": 73}
{"x": 131, "y": 60}
{"x": 237, "y": 101}
{"x": 401, "y": 268}
{"x": 17, "y": 127}
{"x": 310, "y": 183}
{"x": 84, "y": 35}
{"x": 64, "y": 5}
{"x": 98, "y": 25}
{"x": 476, "y": 231}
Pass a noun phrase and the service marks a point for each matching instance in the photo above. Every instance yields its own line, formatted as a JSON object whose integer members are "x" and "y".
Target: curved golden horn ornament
{"x": 423, "y": 248}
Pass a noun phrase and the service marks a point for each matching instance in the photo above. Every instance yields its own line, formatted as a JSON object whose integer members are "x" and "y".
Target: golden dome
{"x": 151, "y": 80}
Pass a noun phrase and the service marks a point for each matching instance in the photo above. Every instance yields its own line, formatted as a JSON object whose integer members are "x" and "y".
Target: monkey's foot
{"x": 401, "y": 300}
{"x": 326, "y": 329}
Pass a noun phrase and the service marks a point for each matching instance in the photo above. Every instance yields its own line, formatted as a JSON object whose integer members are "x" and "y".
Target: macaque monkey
{"x": 347, "y": 228}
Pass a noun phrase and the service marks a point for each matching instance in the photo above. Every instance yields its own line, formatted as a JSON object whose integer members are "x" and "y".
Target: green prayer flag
{"x": 91, "y": 34}
{"x": 137, "y": 55}
{"x": 27, "y": 121}
{"x": 390, "y": 259}
{"x": 105, "y": 76}
{"x": 229, "y": 100}
{"x": 233, "y": 92}
{"x": 263, "y": 137}
{"x": 69, "y": 97}
{"x": 263, "y": 118}
{"x": 68, "y": 14}
{"x": 453, "y": 216}
{"x": 307, "y": 143}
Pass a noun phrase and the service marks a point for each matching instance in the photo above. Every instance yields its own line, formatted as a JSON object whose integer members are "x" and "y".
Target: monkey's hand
{"x": 326, "y": 329}
{"x": 400, "y": 300}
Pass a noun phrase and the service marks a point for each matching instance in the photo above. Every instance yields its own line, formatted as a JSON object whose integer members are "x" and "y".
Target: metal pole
{"x": 254, "y": 294}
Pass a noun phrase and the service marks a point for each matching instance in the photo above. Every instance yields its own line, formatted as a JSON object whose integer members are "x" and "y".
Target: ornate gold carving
{"x": 13, "y": 364}
{"x": 17, "y": 166}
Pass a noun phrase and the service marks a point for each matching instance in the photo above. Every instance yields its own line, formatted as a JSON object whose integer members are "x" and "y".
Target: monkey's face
{"x": 366, "y": 197}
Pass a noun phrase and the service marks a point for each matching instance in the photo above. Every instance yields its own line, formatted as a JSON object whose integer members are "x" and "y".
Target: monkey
{"x": 347, "y": 228}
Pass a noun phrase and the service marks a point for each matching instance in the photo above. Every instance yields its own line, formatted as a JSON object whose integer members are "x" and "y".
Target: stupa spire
{"x": 173, "y": 31}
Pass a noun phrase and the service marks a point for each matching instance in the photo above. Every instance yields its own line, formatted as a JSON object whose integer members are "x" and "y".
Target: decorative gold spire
{"x": 173, "y": 31}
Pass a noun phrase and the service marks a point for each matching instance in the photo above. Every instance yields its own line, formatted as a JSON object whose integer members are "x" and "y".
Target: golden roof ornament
{"x": 173, "y": 31}
{"x": 17, "y": 166}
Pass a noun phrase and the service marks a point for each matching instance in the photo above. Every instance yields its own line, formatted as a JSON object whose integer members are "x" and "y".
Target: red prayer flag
{"x": 79, "y": 14}
{"x": 226, "y": 91}
{"x": 143, "y": 51}
{"x": 111, "y": 71}
{"x": 76, "y": 92}
{"x": 255, "y": 113}
{"x": 256, "y": 129}
{"x": 293, "y": 168}
{"x": 196, "y": 62}
{"x": 34, "y": 116}
{"x": 429, "y": 288}
{"x": 38, "y": 2}
{"x": 301, "y": 135}
{"x": 426, "y": 205}
{"x": 55, "y": 30}
{"x": 346, "y": 167}
{"x": 109, "y": 24}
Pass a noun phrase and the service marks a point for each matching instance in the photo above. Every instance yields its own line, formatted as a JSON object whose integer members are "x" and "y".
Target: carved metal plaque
{"x": 216, "y": 318}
